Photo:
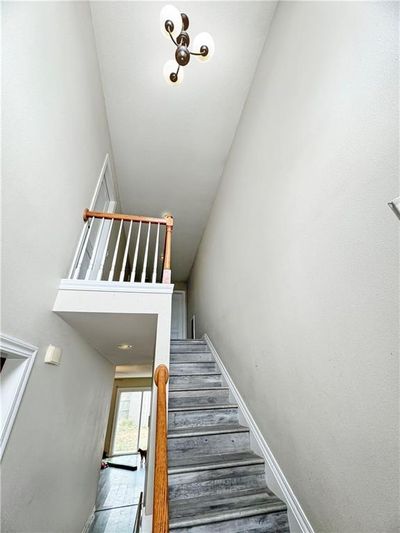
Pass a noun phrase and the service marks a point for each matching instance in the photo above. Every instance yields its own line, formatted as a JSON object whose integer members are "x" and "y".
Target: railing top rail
{"x": 168, "y": 220}
{"x": 160, "y": 503}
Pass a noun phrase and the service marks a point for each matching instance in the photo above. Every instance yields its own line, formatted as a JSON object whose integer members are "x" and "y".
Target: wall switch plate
{"x": 53, "y": 355}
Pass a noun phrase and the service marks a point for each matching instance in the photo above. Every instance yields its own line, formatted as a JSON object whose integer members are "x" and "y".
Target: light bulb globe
{"x": 173, "y": 14}
{"x": 204, "y": 39}
{"x": 171, "y": 67}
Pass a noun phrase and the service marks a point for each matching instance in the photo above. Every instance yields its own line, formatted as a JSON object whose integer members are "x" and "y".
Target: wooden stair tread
{"x": 210, "y": 462}
{"x": 197, "y": 388}
{"x": 172, "y": 375}
{"x": 202, "y": 407}
{"x": 206, "y": 430}
{"x": 205, "y": 510}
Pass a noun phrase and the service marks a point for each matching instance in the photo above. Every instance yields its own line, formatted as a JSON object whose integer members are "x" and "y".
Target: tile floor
{"x": 117, "y": 497}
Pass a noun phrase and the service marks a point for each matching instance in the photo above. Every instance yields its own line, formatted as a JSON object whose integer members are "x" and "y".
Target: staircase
{"x": 216, "y": 483}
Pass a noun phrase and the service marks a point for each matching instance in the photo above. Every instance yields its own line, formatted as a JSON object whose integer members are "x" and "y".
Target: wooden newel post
{"x": 168, "y": 242}
{"x": 160, "y": 505}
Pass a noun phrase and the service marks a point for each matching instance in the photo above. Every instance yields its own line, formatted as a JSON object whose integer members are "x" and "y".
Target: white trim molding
{"x": 89, "y": 521}
{"x": 297, "y": 517}
{"x": 108, "y": 177}
{"x": 114, "y": 286}
{"x": 14, "y": 380}
{"x": 183, "y": 312}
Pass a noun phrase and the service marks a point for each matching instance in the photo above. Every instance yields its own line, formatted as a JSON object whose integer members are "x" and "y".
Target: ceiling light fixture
{"x": 125, "y": 346}
{"x": 174, "y": 25}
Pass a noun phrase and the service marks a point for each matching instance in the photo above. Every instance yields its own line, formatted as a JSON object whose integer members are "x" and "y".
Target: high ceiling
{"x": 170, "y": 144}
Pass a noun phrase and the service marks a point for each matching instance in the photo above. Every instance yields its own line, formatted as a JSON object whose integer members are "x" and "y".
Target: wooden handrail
{"x": 160, "y": 500}
{"x": 168, "y": 220}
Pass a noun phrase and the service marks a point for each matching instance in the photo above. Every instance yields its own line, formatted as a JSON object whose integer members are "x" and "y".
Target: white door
{"x": 178, "y": 318}
{"x": 104, "y": 200}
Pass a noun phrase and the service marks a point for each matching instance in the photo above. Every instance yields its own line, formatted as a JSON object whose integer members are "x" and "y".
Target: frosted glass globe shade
{"x": 204, "y": 39}
{"x": 172, "y": 66}
{"x": 173, "y": 14}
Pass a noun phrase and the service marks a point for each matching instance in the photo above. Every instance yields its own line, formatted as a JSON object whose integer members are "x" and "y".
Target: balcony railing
{"x": 124, "y": 248}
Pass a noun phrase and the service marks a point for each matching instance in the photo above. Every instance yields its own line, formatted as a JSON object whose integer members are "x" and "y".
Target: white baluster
{"x": 146, "y": 253}
{"x": 133, "y": 273}
{"x": 94, "y": 253}
{"x": 123, "y": 269}
{"x": 154, "y": 279}
{"x": 103, "y": 259}
{"x": 111, "y": 275}
{"x": 83, "y": 251}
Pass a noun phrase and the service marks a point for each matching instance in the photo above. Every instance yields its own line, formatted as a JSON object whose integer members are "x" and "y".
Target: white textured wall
{"x": 296, "y": 278}
{"x": 55, "y": 138}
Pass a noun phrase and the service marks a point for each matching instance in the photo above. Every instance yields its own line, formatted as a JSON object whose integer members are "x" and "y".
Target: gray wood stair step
{"x": 276, "y": 522}
{"x": 197, "y": 396}
{"x": 260, "y": 523}
{"x": 188, "y": 341}
{"x": 202, "y": 389}
{"x": 189, "y": 369}
{"x": 179, "y": 385}
{"x": 190, "y": 374}
{"x": 206, "y": 440}
{"x": 196, "y": 381}
{"x": 206, "y": 430}
{"x": 216, "y": 482}
{"x": 184, "y": 416}
{"x": 182, "y": 348}
{"x": 211, "y": 462}
{"x": 186, "y": 360}
{"x": 202, "y": 407}
{"x": 205, "y": 510}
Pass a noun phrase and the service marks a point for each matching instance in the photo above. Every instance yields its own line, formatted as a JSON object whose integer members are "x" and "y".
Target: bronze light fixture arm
{"x": 201, "y": 53}
{"x": 169, "y": 26}
{"x": 172, "y": 38}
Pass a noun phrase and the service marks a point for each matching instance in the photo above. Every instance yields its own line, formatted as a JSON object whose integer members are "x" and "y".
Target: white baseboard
{"x": 297, "y": 518}
{"x": 89, "y": 521}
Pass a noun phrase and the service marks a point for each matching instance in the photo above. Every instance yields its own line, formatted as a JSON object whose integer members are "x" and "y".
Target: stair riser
{"x": 197, "y": 397}
{"x": 205, "y": 417}
{"x": 187, "y": 341}
{"x": 188, "y": 348}
{"x": 217, "y": 482}
{"x": 192, "y": 368}
{"x": 265, "y": 523}
{"x": 182, "y": 382}
{"x": 206, "y": 444}
{"x": 193, "y": 356}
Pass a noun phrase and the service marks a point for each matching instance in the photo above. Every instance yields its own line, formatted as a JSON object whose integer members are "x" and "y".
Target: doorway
{"x": 105, "y": 200}
{"x": 178, "y": 317}
{"x": 131, "y": 421}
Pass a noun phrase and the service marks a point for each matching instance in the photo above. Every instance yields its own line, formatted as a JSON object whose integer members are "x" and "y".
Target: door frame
{"x": 114, "y": 422}
{"x": 107, "y": 175}
{"x": 108, "y": 178}
{"x": 20, "y": 357}
{"x": 181, "y": 291}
